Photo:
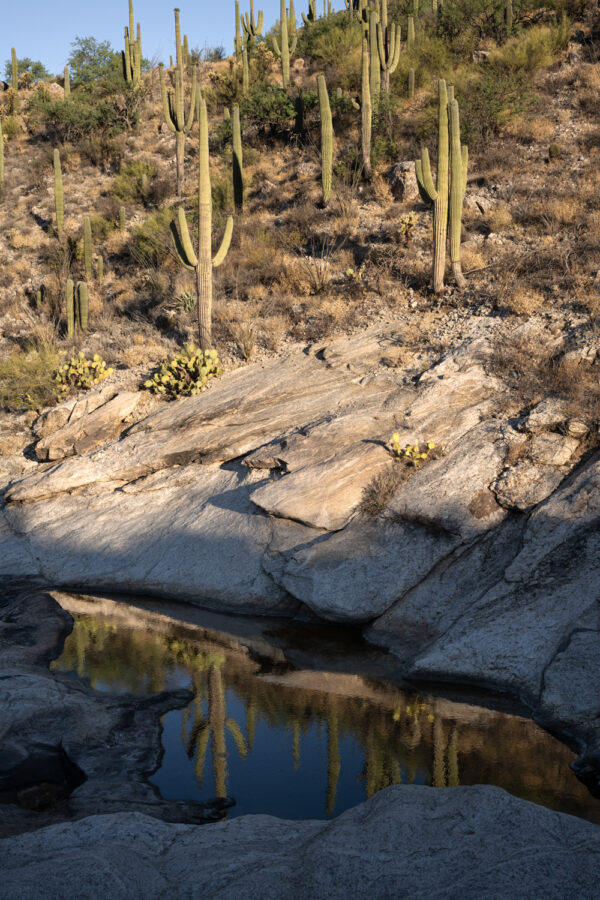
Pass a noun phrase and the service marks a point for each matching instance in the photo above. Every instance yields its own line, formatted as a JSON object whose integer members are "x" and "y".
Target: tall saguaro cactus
{"x": 1, "y": 160}
{"x": 238, "y": 160}
{"x": 437, "y": 194}
{"x": 83, "y": 305}
{"x": 410, "y": 33}
{"x": 411, "y": 83}
{"x": 459, "y": 161}
{"x": 67, "y": 83}
{"x": 252, "y": 28}
{"x": 237, "y": 41}
{"x": 59, "y": 197}
{"x": 14, "y": 69}
{"x": 174, "y": 108}
{"x": 326, "y": 138}
{"x": 132, "y": 56}
{"x": 70, "y": 305}
{"x": 374, "y": 70}
{"x": 286, "y": 46}
{"x": 245, "y": 70}
{"x": 366, "y": 110}
{"x": 312, "y": 13}
{"x": 388, "y": 45}
{"x": 87, "y": 246}
{"x": 202, "y": 261}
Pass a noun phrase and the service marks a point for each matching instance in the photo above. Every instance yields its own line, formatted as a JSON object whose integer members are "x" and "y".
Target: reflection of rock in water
{"x": 404, "y": 736}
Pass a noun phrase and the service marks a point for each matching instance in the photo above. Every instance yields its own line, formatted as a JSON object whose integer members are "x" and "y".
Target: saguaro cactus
{"x": 1, "y": 159}
{"x": 286, "y": 46}
{"x": 121, "y": 218}
{"x": 67, "y": 83}
{"x": 326, "y": 138}
{"x": 508, "y": 16}
{"x": 70, "y": 304}
{"x": 132, "y": 55}
{"x": 245, "y": 70}
{"x": 312, "y": 13}
{"x": 366, "y": 110}
{"x": 411, "y": 83}
{"x": 252, "y": 28}
{"x": 87, "y": 246}
{"x": 437, "y": 194}
{"x": 173, "y": 107}
{"x": 237, "y": 41}
{"x": 388, "y": 45}
{"x": 374, "y": 69}
{"x": 14, "y": 69}
{"x": 202, "y": 261}
{"x": 459, "y": 161}
{"x": 238, "y": 161}
{"x": 100, "y": 269}
{"x": 59, "y": 197}
{"x": 410, "y": 33}
{"x": 82, "y": 305}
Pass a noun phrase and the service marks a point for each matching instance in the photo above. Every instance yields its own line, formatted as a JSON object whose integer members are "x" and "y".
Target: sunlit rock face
{"x": 480, "y": 566}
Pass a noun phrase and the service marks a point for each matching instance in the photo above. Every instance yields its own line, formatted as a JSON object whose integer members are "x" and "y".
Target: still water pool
{"x": 302, "y": 722}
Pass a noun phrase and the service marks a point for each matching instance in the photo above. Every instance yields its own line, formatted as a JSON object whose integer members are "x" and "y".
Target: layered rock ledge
{"x": 483, "y": 566}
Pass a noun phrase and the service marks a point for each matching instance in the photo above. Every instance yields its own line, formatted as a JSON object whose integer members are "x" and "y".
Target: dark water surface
{"x": 302, "y": 722}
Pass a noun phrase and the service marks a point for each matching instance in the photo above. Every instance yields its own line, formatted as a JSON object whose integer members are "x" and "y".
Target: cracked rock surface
{"x": 483, "y": 566}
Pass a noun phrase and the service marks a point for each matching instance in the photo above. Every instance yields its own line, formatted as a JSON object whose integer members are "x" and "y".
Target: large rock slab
{"x": 82, "y": 433}
{"x": 405, "y": 841}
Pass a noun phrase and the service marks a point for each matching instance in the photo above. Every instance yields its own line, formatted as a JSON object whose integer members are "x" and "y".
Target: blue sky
{"x": 44, "y": 29}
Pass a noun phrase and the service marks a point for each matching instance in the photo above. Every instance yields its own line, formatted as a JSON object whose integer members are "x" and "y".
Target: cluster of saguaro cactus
{"x": 59, "y": 196}
{"x": 77, "y": 306}
{"x": 451, "y": 179}
{"x": 286, "y": 46}
{"x": 238, "y": 160}
{"x": 174, "y": 105}
{"x": 202, "y": 261}
{"x": 132, "y": 55}
{"x": 311, "y": 17}
{"x": 326, "y": 138}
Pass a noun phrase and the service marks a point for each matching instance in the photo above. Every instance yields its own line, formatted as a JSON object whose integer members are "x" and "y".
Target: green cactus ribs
{"x": 174, "y": 105}
{"x": 59, "y": 197}
{"x": 238, "y": 161}
{"x": 202, "y": 261}
{"x": 286, "y": 46}
{"x": 326, "y": 138}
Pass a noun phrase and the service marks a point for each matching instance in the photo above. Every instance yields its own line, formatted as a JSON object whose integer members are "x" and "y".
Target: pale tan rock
{"x": 526, "y": 484}
{"x": 84, "y": 432}
{"x": 548, "y": 414}
{"x": 552, "y": 449}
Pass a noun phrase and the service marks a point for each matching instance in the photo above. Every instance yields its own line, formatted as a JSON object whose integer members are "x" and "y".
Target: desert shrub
{"x": 27, "y": 378}
{"x": 71, "y": 120}
{"x": 10, "y": 128}
{"x": 431, "y": 58}
{"x": 334, "y": 44}
{"x": 490, "y": 100}
{"x": 380, "y": 490}
{"x": 186, "y": 374}
{"x": 151, "y": 242}
{"x": 128, "y": 184}
{"x": 267, "y": 104}
{"x": 101, "y": 227}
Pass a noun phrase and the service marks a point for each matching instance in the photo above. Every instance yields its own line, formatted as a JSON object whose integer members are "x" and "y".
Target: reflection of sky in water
{"x": 314, "y": 747}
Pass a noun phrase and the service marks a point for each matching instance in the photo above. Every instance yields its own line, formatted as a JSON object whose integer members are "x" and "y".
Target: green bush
{"x": 268, "y": 104}
{"x": 334, "y": 44}
{"x": 492, "y": 99}
{"x": 151, "y": 242}
{"x": 27, "y": 379}
{"x": 72, "y": 120}
{"x": 128, "y": 184}
{"x": 10, "y": 128}
{"x": 101, "y": 227}
{"x": 186, "y": 374}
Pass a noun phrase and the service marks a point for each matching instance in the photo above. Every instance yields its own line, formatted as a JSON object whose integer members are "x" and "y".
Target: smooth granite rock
{"x": 406, "y": 841}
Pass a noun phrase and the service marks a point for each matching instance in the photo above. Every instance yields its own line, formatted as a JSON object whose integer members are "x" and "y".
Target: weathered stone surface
{"x": 403, "y": 181}
{"x": 83, "y": 433}
{"x": 356, "y": 574}
{"x": 406, "y": 841}
{"x": 546, "y": 415}
{"x": 526, "y": 484}
{"x": 552, "y": 449}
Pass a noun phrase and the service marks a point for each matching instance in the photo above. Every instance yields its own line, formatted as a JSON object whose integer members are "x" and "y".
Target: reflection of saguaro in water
{"x": 216, "y": 700}
{"x": 439, "y": 763}
{"x": 215, "y": 725}
{"x": 453, "y": 773}
{"x": 296, "y": 733}
{"x": 333, "y": 762}
{"x": 251, "y": 721}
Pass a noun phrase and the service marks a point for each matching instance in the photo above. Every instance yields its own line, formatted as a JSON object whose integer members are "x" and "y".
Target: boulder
{"x": 403, "y": 181}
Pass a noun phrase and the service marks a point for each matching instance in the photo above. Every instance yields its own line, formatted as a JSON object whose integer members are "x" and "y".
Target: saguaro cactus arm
{"x": 424, "y": 177}
{"x": 183, "y": 242}
{"x": 221, "y": 253}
